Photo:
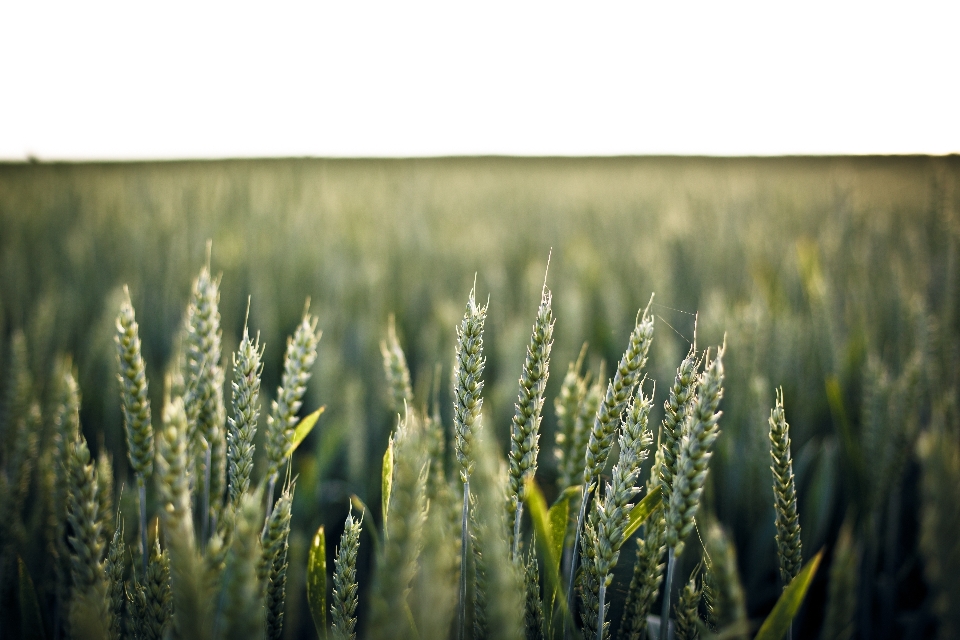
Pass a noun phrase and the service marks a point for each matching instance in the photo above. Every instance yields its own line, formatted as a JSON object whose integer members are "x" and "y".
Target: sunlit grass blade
{"x": 317, "y": 582}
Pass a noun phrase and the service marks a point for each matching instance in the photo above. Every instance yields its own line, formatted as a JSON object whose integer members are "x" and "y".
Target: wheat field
{"x": 821, "y": 295}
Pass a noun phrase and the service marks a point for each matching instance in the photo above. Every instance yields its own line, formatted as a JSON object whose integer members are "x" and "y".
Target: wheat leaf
{"x": 640, "y": 513}
{"x": 31, "y": 622}
{"x": 777, "y": 623}
{"x": 317, "y": 582}
{"x": 304, "y": 427}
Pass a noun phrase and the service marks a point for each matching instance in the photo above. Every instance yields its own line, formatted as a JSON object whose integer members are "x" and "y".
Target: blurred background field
{"x": 835, "y": 278}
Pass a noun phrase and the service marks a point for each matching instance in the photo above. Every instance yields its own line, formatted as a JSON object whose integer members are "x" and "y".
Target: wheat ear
{"x": 297, "y": 363}
{"x": 784, "y": 495}
{"x": 113, "y": 569}
{"x": 242, "y": 425}
{"x": 343, "y": 605}
{"x": 467, "y": 404}
{"x": 606, "y": 422}
{"x": 566, "y": 406}
{"x": 135, "y": 402}
{"x": 151, "y": 600}
{"x": 687, "y": 610}
{"x": 395, "y": 367}
{"x": 273, "y": 567}
{"x": 525, "y": 426}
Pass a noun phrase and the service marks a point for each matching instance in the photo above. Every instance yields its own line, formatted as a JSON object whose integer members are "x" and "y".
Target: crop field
{"x": 481, "y": 398}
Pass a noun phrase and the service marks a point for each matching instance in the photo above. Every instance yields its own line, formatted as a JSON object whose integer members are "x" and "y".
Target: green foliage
{"x": 317, "y": 581}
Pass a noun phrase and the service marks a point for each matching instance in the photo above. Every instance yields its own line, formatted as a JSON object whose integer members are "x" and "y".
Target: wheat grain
{"x": 784, "y": 495}
{"x": 242, "y": 425}
{"x": 343, "y": 606}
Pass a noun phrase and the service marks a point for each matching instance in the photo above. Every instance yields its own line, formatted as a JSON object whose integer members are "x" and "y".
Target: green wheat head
{"x": 273, "y": 567}
{"x": 468, "y": 383}
{"x": 242, "y": 425}
{"x": 618, "y": 393}
{"x": 134, "y": 393}
{"x": 687, "y": 610}
{"x": 675, "y": 408}
{"x": 113, "y": 569}
{"x": 570, "y": 426}
{"x": 242, "y": 591}
{"x": 297, "y": 364}
{"x": 525, "y": 426}
{"x": 785, "y": 495}
{"x": 614, "y": 507}
{"x": 700, "y": 432}
{"x": 395, "y": 366}
{"x": 150, "y": 601}
{"x": 343, "y": 606}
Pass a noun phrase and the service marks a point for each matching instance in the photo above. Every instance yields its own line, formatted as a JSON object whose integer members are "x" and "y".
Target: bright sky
{"x": 135, "y": 80}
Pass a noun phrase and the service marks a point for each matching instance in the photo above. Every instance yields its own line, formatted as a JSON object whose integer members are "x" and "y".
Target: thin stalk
{"x": 516, "y": 531}
{"x": 603, "y": 597}
{"x": 665, "y": 611}
{"x": 145, "y": 551}
{"x": 584, "y": 496}
{"x": 464, "y": 541}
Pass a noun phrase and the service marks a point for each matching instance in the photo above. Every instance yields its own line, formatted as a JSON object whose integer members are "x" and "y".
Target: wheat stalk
{"x": 525, "y": 426}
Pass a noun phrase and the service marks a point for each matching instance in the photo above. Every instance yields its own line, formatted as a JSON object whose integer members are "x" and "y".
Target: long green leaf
{"x": 386, "y": 483}
{"x": 537, "y": 506}
{"x": 304, "y": 427}
{"x": 558, "y": 515}
{"x": 641, "y": 512}
{"x": 778, "y": 622}
{"x": 317, "y": 582}
{"x": 31, "y": 622}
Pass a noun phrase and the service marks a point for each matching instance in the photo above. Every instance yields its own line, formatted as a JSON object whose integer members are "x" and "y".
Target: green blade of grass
{"x": 641, "y": 512}
{"x": 558, "y": 515}
{"x": 304, "y": 427}
{"x": 317, "y": 582}
{"x": 537, "y": 506}
{"x": 777, "y": 623}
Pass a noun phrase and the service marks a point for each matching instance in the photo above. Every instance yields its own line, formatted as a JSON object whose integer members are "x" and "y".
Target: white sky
{"x": 129, "y": 80}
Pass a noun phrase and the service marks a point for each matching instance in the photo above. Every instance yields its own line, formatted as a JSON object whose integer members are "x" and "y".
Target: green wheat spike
{"x": 113, "y": 570}
{"x": 298, "y": 361}
{"x": 525, "y": 426}
{"x": 343, "y": 605}
{"x": 395, "y": 367}
{"x": 687, "y": 611}
{"x": 242, "y": 425}
{"x": 566, "y": 406}
{"x": 151, "y": 601}
{"x": 785, "y": 495}
{"x": 273, "y": 567}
